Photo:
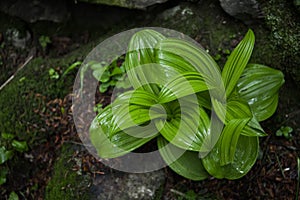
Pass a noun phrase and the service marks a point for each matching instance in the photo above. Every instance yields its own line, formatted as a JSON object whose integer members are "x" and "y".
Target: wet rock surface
{"x": 125, "y": 186}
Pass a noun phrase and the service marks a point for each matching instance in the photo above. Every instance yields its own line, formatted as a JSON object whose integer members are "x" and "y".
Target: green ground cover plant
{"x": 205, "y": 120}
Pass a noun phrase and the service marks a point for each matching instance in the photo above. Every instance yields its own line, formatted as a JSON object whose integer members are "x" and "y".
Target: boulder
{"x": 32, "y": 11}
{"x": 125, "y": 186}
{"x": 245, "y": 10}
{"x": 133, "y": 4}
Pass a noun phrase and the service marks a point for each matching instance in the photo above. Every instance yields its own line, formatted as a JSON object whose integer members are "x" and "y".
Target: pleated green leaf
{"x": 131, "y": 115}
{"x": 239, "y": 109}
{"x": 140, "y": 52}
{"x": 111, "y": 144}
{"x": 184, "y": 163}
{"x": 187, "y": 128}
{"x": 182, "y": 85}
{"x": 229, "y": 139}
{"x": 245, "y": 155}
{"x": 259, "y": 86}
{"x": 184, "y": 57}
{"x": 237, "y": 62}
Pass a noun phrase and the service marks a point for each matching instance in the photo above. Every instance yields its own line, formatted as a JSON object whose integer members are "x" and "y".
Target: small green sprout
{"x": 44, "y": 41}
{"x": 53, "y": 74}
{"x": 285, "y": 131}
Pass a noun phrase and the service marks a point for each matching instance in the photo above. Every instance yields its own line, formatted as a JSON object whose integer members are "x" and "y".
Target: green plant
{"x": 109, "y": 74}
{"x": 44, "y": 41}
{"x": 8, "y": 147}
{"x": 13, "y": 196}
{"x": 53, "y": 74}
{"x": 285, "y": 131}
{"x": 176, "y": 86}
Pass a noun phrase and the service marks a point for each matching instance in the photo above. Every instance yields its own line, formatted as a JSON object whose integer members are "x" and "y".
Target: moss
{"x": 283, "y": 20}
{"x": 65, "y": 183}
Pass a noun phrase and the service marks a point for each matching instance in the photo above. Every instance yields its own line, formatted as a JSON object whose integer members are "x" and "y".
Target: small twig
{"x": 13, "y": 76}
{"x": 282, "y": 172}
{"x": 178, "y": 193}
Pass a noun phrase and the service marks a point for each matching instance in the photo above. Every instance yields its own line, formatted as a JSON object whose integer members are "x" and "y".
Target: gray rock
{"x": 32, "y": 11}
{"x": 137, "y": 4}
{"x": 245, "y": 10}
{"x": 184, "y": 18}
{"x": 16, "y": 38}
{"x": 125, "y": 186}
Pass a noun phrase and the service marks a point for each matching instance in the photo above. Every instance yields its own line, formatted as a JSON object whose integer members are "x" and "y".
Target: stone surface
{"x": 184, "y": 18}
{"x": 17, "y": 39}
{"x": 125, "y": 186}
{"x": 32, "y": 11}
{"x": 137, "y": 4}
{"x": 244, "y": 10}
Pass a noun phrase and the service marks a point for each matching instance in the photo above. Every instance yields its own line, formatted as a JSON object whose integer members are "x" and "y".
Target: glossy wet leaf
{"x": 259, "y": 86}
{"x": 184, "y": 57}
{"x": 140, "y": 52}
{"x": 187, "y": 128}
{"x": 244, "y": 158}
{"x": 183, "y": 85}
{"x": 237, "y": 62}
{"x": 111, "y": 144}
{"x": 229, "y": 139}
{"x": 184, "y": 163}
{"x": 239, "y": 109}
{"x": 176, "y": 87}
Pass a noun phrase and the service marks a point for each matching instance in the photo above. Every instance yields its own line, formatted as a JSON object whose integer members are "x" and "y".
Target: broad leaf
{"x": 229, "y": 139}
{"x": 182, "y": 85}
{"x": 187, "y": 128}
{"x": 237, "y": 62}
{"x": 239, "y": 109}
{"x": 244, "y": 158}
{"x": 259, "y": 86}
{"x": 112, "y": 144}
{"x": 132, "y": 110}
{"x": 140, "y": 52}
{"x": 184, "y": 163}
{"x": 184, "y": 56}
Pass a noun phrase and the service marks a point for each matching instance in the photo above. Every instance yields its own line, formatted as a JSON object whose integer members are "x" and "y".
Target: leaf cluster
{"x": 206, "y": 121}
{"x": 109, "y": 74}
{"x": 8, "y": 147}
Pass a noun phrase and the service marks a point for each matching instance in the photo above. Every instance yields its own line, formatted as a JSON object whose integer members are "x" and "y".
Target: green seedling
{"x": 44, "y": 41}
{"x": 285, "y": 131}
{"x": 53, "y": 74}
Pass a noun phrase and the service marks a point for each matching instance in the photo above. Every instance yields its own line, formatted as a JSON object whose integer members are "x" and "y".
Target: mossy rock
{"x": 65, "y": 182}
{"x": 283, "y": 20}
